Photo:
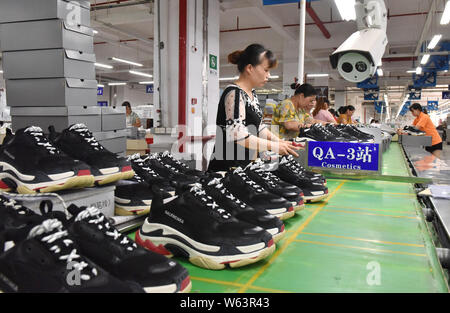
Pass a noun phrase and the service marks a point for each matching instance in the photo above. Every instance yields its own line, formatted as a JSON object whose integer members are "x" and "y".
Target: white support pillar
{"x": 301, "y": 54}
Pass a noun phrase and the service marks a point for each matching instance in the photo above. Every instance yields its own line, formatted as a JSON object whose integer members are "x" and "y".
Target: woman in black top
{"x": 240, "y": 133}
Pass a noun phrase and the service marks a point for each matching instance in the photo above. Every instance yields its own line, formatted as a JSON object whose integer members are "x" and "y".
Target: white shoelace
{"x": 41, "y": 140}
{"x": 239, "y": 171}
{"x": 94, "y": 216}
{"x": 200, "y": 193}
{"x": 217, "y": 183}
{"x": 167, "y": 154}
{"x": 51, "y": 225}
{"x": 84, "y": 132}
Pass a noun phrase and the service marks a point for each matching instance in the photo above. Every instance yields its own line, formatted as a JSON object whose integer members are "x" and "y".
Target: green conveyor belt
{"x": 369, "y": 236}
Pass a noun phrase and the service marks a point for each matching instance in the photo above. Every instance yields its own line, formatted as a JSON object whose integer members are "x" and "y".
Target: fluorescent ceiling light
{"x": 141, "y": 74}
{"x": 433, "y": 43}
{"x": 411, "y": 71}
{"x": 116, "y": 84}
{"x": 274, "y": 77}
{"x": 127, "y": 62}
{"x": 100, "y": 85}
{"x": 346, "y": 9}
{"x": 317, "y": 75}
{"x": 1, "y": 72}
{"x": 95, "y": 31}
{"x": 425, "y": 59}
{"x": 380, "y": 72}
{"x": 446, "y": 14}
{"x": 146, "y": 83}
{"x": 419, "y": 70}
{"x": 103, "y": 65}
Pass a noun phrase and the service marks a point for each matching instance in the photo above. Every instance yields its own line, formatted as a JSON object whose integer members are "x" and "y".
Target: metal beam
{"x": 426, "y": 27}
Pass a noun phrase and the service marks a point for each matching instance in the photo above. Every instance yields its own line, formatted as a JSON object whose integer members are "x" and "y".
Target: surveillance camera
{"x": 358, "y": 57}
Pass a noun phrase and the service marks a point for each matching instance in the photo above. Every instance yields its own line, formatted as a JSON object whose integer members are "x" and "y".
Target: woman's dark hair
{"x": 342, "y": 110}
{"x": 350, "y": 108}
{"x": 306, "y": 89}
{"x": 320, "y": 105}
{"x": 333, "y": 111}
{"x": 252, "y": 55}
{"x": 126, "y": 104}
{"x": 416, "y": 106}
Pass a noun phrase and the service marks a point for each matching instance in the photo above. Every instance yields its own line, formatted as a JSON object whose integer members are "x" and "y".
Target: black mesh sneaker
{"x": 145, "y": 172}
{"x": 354, "y": 131}
{"x": 315, "y": 177}
{"x": 167, "y": 158}
{"x": 259, "y": 172}
{"x": 240, "y": 210}
{"x": 106, "y": 246}
{"x": 248, "y": 191}
{"x": 338, "y": 133}
{"x": 133, "y": 197}
{"x": 413, "y": 131}
{"x": 314, "y": 133}
{"x": 46, "y": 260}
{"x": 29, "y": 163}
{"x": 193, "y": 225}
{"x": 168, "y": 171}
{"x": 313, "y": 191}
{"x": 79, "y": 143}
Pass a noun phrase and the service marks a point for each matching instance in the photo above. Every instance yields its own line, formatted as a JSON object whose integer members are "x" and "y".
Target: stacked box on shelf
{"x": 48, "y": 63}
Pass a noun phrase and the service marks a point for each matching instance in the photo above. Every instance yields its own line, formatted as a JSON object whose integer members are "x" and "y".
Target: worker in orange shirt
{"x": 423, "y": 122}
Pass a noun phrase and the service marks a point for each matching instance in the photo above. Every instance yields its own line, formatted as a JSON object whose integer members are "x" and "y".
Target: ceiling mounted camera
{"x": 357, "y": 59}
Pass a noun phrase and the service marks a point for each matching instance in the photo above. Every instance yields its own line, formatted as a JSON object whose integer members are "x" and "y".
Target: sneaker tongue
{"x": 75, "y": 210}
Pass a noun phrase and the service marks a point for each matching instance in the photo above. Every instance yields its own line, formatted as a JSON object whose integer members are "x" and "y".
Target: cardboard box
{"x": 52, "y": 63}
{"x": 60, "y": 117}
{"x": 47, "y": 34}
{"x": 114, "y": 118}
{"x": 75, "y": 12}
{"x": 114, "y": 141}
{"x": 51, "y": 92}
{"x": 100, "y": 197}
{"x": 136, "y": 146}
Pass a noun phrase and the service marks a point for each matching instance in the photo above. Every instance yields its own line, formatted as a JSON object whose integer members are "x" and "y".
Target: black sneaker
{"x": 413, "y": 131}
{"x": 314, "y": 177}
{"x": 314, "y": 134}
{"x": 338, "y": 133}
{"x": 242, "y": 211}
{"x": 354, "y": 131}
{"x": 192, "y": 225}
{"x": 167, "y": 158}
{"x": 29, "y": 163}
{"x": 313, "y": 191}
{"x": 145, "y": 172}
{"x": 259, "y": 172}
{"x": 79, "y": 143}
{"x": 133, "y": 197}
{"x": 47, "y": 260}
{"x": 168, "y": 171}
{"x": 248, "y": 191}
{"x": 123, "y": 258}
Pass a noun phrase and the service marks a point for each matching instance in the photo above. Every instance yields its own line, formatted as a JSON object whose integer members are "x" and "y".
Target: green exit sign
{"x": 213, "y": 62}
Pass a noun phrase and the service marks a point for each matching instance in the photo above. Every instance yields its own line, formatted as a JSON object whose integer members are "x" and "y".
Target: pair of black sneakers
{"x": 84, "y": 253}
{"x": 31, "y": 163}
{"x": 335, "y": 133}
{"x": 134, "y": 196}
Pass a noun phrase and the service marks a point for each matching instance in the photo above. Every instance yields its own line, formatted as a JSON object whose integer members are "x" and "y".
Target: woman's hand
{"x": 285, "y": 148}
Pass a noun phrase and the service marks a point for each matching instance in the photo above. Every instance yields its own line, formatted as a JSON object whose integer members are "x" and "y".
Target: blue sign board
{"x": 102, "y": 103}
{"x": 446, "y": 95}
{"x": 433, "y": 105}
{"x": 149, "y": 88}
{"x": 99, "y": 91}
{"x": 380, "y": 106}
{"x": 344, "y": 156}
